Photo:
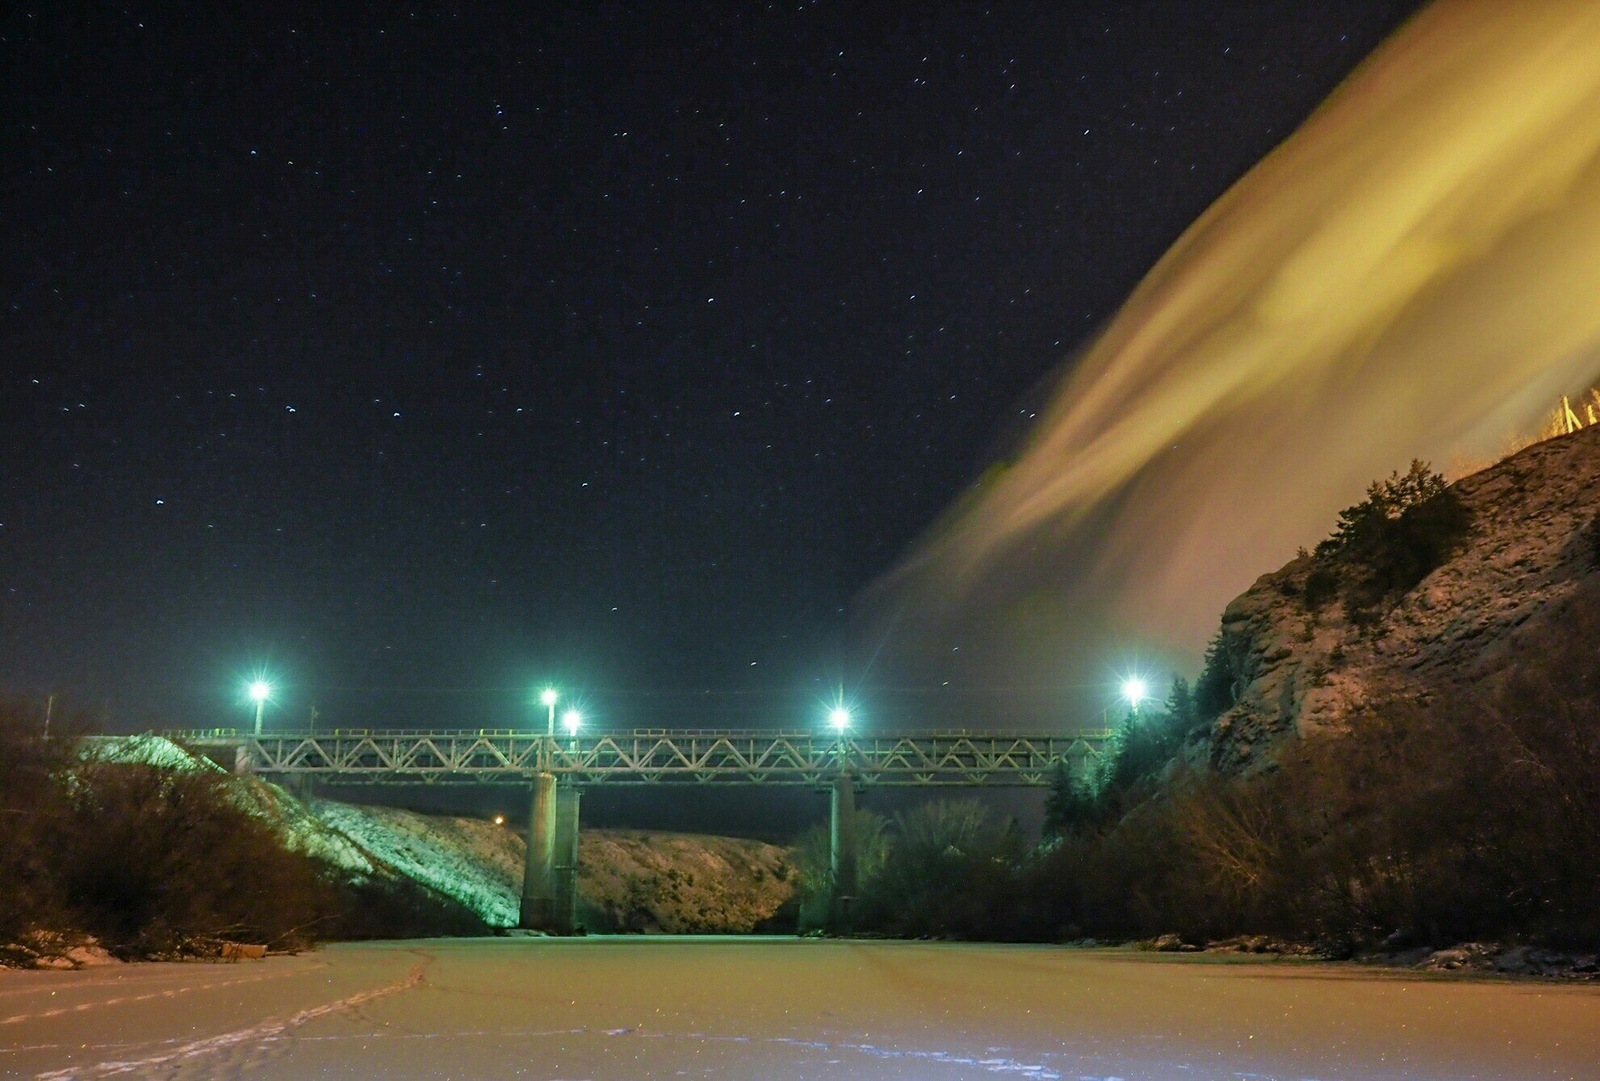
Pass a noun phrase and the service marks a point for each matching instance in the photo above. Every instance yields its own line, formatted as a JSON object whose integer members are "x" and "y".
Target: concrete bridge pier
{"x": 550, "y": 875}
{"x": 538, "y": 872}
{"x": 843, "y": 860}
{"x": 565, "y": 865}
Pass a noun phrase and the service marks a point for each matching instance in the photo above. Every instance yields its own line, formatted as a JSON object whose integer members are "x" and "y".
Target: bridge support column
{"x": 564, "y": 868}
{"x": 538, "y": 873}
{"x": 843, "y": 860}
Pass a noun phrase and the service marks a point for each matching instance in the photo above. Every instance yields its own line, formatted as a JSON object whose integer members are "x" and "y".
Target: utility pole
{"x": 49, "y": 708}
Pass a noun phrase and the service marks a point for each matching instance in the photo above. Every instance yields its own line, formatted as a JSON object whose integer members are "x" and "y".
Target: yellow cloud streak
{"x": 1413, "y": 273}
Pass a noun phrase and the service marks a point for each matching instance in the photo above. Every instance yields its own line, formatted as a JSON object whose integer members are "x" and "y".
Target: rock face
{"x": 1295, "y": 669}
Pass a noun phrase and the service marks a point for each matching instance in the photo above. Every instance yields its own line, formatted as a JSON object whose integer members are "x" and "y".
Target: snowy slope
{"x": 468, "y": 860}
{"x": 629, "y": 880}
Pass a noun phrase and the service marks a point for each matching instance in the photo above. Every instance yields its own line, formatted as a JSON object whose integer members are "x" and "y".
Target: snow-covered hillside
{"x": 477, "y": 863}
{"x": 629, "y": 880}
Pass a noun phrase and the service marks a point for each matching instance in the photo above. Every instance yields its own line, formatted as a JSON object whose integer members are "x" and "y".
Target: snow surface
{"x": 477, "y": 863}
{"x": 146, "y": 750}
{"x": 622, "y": 1008}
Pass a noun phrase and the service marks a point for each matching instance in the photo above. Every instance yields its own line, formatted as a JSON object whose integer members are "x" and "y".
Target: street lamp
{"x": 572, "y": 719}
{"x": 260, "y": 691}
{"x": 548, "y": 696}
{"x": 1135, "y": 691}
{"x": 839, "y": 717}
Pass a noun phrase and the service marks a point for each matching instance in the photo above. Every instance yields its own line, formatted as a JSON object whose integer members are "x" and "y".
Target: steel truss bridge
{"x": 654, "y": 756}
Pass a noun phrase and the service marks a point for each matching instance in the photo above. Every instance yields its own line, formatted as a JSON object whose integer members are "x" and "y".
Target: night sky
{"x": 417, "y": 357}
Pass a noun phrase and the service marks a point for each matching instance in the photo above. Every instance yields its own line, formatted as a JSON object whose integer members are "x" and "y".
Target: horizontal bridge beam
{"x": 656, "y": 756}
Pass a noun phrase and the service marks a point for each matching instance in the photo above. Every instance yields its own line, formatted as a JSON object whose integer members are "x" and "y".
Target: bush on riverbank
{"x": 29, "y": 794}
{"x": 168, "y": 860}
{"x": 160, "y": 862}
{"x": 1413, "y": 828}
{"x": 944, "y": 868}
{"x": 148, "y": 861}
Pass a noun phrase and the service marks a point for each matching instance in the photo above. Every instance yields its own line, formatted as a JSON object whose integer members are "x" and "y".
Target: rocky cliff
{"x": 1297, "y": 666}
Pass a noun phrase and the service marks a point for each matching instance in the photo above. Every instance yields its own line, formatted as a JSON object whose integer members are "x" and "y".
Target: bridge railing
{"x": 213, "y": 734}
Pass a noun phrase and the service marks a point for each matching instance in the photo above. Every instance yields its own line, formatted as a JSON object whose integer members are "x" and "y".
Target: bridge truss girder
{"x": 658, "y": 757}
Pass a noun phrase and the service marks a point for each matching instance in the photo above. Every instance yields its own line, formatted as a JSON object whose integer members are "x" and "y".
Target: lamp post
{"x": 843, "y": 861}
{"x": 549, "y": 696}
{"x": 572, "y": 719}
{"x": 260, "y": 691}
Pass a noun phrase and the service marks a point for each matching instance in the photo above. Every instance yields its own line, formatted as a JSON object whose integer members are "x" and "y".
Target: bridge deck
{"x": 656, "y": 756}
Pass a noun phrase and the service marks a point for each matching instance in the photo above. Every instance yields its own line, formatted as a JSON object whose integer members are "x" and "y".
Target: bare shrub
{"x": 948, "y": 867}
{"x": 161, "y": 862}
{"x": 813, "y": 864}
{"x": 1120, "y": 884}
{"x": 32, "y": 799}
{"x": 1238, "y": 841}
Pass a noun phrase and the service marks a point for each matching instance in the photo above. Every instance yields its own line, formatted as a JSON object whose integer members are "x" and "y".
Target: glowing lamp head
{"x": 839, "y": 718}
{"x": 548, "y": 696}
{"x": 260, "y": 691}
{"x": 1135, "y": 691}
{"x": 572, "y": 719}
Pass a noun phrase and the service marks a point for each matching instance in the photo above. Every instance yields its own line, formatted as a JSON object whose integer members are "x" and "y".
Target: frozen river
{"x": 615, "y": 1008}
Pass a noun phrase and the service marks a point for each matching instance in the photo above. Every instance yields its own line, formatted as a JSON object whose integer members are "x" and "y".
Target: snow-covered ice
{"x": 617, "y": 1008}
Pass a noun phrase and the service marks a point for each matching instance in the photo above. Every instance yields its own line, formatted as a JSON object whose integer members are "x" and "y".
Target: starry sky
{"x": 418, "y": 357}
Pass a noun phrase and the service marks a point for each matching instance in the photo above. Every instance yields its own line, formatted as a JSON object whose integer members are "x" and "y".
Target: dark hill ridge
{"x": 1533, "y": 545}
